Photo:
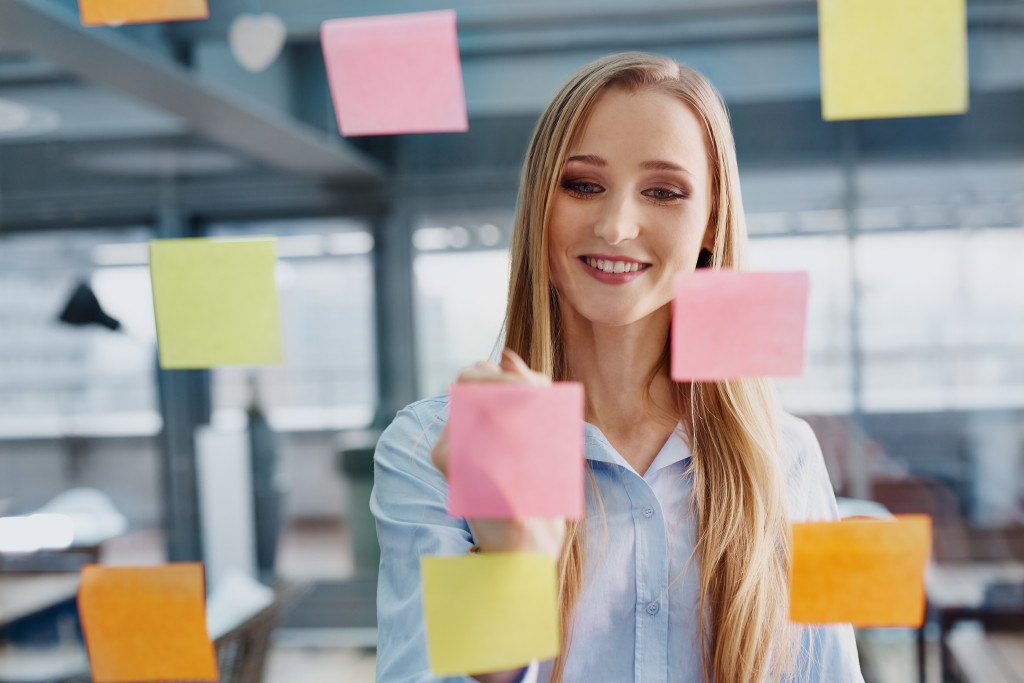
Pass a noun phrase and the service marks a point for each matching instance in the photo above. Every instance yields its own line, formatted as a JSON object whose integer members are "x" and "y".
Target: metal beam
{"x": 568, "y": 16}
{"x": 101, "y": 55}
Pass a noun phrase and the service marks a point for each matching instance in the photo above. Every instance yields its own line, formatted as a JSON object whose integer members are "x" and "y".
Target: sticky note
{"x": 215, "y": 302}
{"x": 99, "y": 12}
{"x": 489, "y": 611}
{"x": 515, "y": 450}
{"x": 393, "y": 74}
{"x": 886, "y": 58}
{"x": 146, "y": 623}
{"x": 868, "y": 572}
{"x": 728, "y": 324}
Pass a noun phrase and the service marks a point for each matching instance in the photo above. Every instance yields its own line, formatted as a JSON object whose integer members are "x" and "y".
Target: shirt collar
{"x": 598, "y": 449}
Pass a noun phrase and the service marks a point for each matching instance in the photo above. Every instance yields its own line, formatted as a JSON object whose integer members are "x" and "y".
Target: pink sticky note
{"x": 515, "y": 450}
{"x": 728, "y": 324}
{"x": 395, "y": 74}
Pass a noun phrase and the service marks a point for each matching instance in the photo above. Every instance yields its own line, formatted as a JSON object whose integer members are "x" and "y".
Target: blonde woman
{"x": 679, "y": 571}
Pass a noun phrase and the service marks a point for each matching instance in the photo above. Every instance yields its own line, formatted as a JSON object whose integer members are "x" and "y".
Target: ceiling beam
{"x": 776, "y": 17}
{"x": 100, "y": 55}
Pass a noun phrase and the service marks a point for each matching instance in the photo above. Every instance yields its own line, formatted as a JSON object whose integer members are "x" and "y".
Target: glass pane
{"x": 461, "y": 271}
{"x": 324, "y": 279}
{"x": 59, "y": 380}
{"x": 826, "y": 386}
{"x": 942, "y": 320}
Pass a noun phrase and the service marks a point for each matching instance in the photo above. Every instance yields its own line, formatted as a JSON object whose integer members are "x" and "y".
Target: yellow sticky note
{"x": 99, "y": 12}
{"x": 146, "y": 623}
{"x": 888, "y": 58}
{"x": 489, "y": 612}
{"x": 215, "y": 302}
{"x": 869, "y": 572}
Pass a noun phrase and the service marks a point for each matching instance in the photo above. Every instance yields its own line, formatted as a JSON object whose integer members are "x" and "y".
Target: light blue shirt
{"x": 638, "y": 612}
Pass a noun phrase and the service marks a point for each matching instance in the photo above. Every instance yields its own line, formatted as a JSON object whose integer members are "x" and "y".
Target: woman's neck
{"x": 615, "y": 365}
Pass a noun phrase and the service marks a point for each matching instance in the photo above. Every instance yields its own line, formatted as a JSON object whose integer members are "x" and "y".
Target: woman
{"x": 679, "y": 571}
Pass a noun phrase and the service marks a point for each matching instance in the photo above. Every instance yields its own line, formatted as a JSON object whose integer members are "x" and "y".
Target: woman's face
{"x": 631, "y": 210}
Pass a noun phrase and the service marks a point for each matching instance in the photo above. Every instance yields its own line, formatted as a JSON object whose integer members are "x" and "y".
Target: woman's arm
{"x": 826, "y": 653}
{"x": 409, "y": 501}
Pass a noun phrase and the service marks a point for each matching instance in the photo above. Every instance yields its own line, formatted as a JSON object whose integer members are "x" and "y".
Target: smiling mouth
{"x": 612, "y": 266}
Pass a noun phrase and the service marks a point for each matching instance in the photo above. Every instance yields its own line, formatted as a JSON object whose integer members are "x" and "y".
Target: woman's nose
{"x": 618, "y": 221}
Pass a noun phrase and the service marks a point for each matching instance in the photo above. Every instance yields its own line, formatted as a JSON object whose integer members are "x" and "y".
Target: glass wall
{"x": 58, "y": 380}
{"x": 461, "y": 271}
{"x": 325, "y": 284}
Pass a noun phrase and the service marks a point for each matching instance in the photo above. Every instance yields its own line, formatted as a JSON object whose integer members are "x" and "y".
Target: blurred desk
{"x": 1009, "y": 648}
{"x": 22, "y": 595}
{"x": 956, "y": 593}
{"x": 992, "y": 658}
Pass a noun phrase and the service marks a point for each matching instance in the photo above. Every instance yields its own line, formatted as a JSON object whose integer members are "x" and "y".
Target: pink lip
{"x": 611, "y": 278}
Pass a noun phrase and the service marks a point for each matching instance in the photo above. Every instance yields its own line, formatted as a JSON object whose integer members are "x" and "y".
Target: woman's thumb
{"x": 511, "y": 362}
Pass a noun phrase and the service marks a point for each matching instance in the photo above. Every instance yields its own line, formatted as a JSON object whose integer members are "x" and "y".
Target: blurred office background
{"x": 392, "y": 275}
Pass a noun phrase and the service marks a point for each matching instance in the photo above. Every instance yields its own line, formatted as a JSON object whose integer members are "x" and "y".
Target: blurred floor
{"x": 315, "y": 549}
{"x": 290, "y": 664}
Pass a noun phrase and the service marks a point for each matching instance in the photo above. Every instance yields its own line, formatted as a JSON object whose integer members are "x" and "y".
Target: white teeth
{"x": 613, "y": 266}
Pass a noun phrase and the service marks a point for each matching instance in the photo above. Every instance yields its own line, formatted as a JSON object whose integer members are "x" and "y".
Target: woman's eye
{"x": 663, "y": 193}
{"x": 581, "y": 187}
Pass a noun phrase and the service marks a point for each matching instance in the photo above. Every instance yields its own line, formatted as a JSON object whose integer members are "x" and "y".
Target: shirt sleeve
{"x": 827, "y": 652}
{"x": 409, "y": 502}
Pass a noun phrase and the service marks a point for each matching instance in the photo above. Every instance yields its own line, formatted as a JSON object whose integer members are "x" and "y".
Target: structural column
{"x": 184, "y": 397}
{"x": 395, "y": 315}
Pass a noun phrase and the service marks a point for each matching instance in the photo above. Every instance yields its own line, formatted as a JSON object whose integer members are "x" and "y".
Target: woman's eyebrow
{"x": 589, "y": 159}
{"x": 651, "y": 165}
{"x": 660, "y": 165}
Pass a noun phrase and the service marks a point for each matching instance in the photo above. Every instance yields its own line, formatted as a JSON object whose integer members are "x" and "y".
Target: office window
{"x": 942, "y": 320}
{"x": 57, "y": 380}
{"x": 826, "y": 385}
{"x": 461, "y": 269}
{"x": 324, "y": 280}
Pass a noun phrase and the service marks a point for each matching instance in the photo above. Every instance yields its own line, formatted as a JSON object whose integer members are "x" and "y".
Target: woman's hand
{"x": 527, "y": 534}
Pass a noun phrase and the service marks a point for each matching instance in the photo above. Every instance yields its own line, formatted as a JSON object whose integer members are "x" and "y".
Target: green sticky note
{"x": 889, "y": 58}
{"x": 489, "y": 611}
{"x": 215, "y": 302}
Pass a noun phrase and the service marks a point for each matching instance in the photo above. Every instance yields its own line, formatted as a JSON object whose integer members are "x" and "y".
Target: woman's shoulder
{"x": 797, "y": 441}
{"x": 416, "y": 426}
{"x": 427, "y": 410}
{"x": 803, "y": 470}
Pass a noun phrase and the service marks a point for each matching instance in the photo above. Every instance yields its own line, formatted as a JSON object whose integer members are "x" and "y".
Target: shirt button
{"x": 652, "y": 608}
{"x": 648, "y": 512}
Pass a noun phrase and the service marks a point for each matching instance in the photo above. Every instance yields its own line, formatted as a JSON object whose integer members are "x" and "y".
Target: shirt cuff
{"x": 530, "y": 673}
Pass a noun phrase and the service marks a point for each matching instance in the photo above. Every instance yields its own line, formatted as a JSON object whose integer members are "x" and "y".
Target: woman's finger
{"x": 511, "y": 362}
{"x": 473, "y": 375}
{"x": 481, "y": 371}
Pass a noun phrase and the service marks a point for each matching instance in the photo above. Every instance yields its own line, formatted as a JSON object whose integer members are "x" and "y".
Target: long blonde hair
{"x": 743, "y": 547}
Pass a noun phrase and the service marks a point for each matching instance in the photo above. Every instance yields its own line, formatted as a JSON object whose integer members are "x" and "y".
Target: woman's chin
{"x": 605, "y": 317}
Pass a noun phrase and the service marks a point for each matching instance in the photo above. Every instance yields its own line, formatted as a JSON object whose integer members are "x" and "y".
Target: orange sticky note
{"x": 100, "y": 12}
{"x": 146, "y": 623}
{"x": 868, "y": 572}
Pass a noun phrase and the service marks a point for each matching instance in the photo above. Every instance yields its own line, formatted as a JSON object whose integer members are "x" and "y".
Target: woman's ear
{"x": 709, "y": 239}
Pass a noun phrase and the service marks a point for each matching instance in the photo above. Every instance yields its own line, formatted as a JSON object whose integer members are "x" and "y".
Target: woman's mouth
{"x": 613, "y": 271}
